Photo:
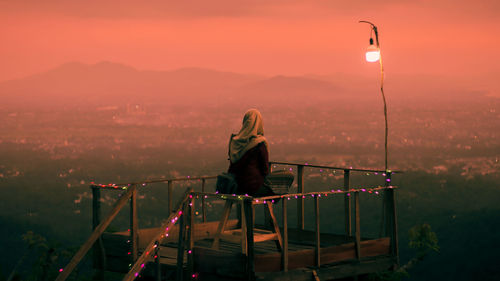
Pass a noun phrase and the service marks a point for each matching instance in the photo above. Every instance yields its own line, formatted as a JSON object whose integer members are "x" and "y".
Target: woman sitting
{"x": 249, "y": 157}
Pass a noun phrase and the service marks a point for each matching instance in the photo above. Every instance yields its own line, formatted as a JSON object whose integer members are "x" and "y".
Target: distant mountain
{"x": 287, "y": 91}
{"x": 106, "y": 83}
{"x": 112, "y": 83}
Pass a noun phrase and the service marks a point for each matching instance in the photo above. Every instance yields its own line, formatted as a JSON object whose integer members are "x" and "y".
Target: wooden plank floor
{"x": 229, "y": 261}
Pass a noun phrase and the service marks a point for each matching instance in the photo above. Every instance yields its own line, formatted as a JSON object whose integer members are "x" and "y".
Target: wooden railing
{"x": 96, "y": 234}
{"x": 249, "y": 203}
{"x": 130, "y": 192}
{"x": 389, "y": 200}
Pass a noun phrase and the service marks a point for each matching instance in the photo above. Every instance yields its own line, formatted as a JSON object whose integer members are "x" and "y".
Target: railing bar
{"x": 169, "y": 195}
{"x": 190, "y": 237}
{"x": 166, "y": 180}
{"x": 180, "y": 245}
{"x": 300, "y": 202}
{"x": 357, "y": 242}
{"x": 331, "y": 168}
{"x": 134, "y": 226}
{"x": 203, "y": 210}
{"x": 347, "y": 205}
{"x": 317, "y": 251}
{"x": 157, "y": 261}
{"x": 250, "y": 268}
{"x": 262, "y": 199}
{"x": 284, "y": 253}
{"x": 99, "y": 256}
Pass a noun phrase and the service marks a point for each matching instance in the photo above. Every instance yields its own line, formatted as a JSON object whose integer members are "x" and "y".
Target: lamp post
{"x": 373, "y": 55}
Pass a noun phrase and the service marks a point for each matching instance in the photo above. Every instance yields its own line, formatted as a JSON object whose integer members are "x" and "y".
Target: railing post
{"x": 250, "y": 267}
{"x": 169, "y": 197}
{"x": 317, "y": 250}
{"x": 284, "y": 252}
{"x": 190, "y": 233}
{"x": 203, "y": 210}
{"x": 357, "y": 242}
{"x": 391, "y": 219}
{"x": 300, "y": 201}
{"x": 180, "y": 245}
{"x": 134, "y": 226}
{"x": 157, "y": 261}
{"x": 347, "y": 204}
{"x": 98, "y": 249}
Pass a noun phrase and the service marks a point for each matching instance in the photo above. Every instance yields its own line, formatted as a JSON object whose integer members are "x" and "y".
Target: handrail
{"x": 316, "y": 196}
{"x": 333, "y": 168}
{"x": 262, "y": 200}
{"x": 95, "y": 235}
{"x": 115, "y": 186}
{"x": 148, "y": 253}
{"x": 347, "y": 199}
{"x": 189, "y": 178}
{"x": 133, "y": 186}
{"x": 123, "y": 186}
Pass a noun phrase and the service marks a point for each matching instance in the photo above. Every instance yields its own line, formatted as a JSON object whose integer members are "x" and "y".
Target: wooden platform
{"x": 337, "y": 255}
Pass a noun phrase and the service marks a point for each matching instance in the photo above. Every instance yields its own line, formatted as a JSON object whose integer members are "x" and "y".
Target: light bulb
{"x": 372, "y": 53}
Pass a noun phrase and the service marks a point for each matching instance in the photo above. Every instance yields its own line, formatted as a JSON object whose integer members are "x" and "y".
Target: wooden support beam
{"x": 134, "y": 226}
{"x": 190, "y": 235}
{"x": 244, "y": 225}
{"x": 395, "y": 239}
{"x": 347, "y": 205}
{"x": 203, "y": 210}
{"x": 300, "y": 201}
{"x": 222, "y": 223}
{"x": 284, "y": 253}
{"x": 250, "y": 266}
{"x": 274, "y": 222}
{"x": 99, "y": 256}
{"x": 357, "y": 241}
{"x": 157, "y": 261}
{"x": 169, "y": 195}
{"x": 317, "y": 249}
{"x": 391, "y": 217}
{"x": 180, "y": 245}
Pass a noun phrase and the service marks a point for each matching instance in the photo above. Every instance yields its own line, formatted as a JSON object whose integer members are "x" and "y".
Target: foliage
{"x": 423, "y": 240}
{"x": 43, "y": 256}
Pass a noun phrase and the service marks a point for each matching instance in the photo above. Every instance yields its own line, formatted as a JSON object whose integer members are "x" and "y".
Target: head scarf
{"x": 250, "y": 135}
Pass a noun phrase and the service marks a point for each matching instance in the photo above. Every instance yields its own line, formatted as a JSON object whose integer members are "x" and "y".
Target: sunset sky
{"x": 452, "y": 39}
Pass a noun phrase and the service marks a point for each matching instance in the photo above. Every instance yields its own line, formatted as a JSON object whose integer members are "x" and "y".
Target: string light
{"x": 148, "y": 254}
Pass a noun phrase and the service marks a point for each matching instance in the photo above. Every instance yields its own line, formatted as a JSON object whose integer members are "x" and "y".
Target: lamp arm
{"x": 374, "y": 28}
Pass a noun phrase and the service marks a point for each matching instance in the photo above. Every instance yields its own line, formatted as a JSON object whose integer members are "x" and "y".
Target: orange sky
{"x": 457, "y": 39}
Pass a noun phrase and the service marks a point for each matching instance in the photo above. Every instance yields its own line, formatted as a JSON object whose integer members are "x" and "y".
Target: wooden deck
{"x": 185, "y": 249}
{"x": 338, "y": 255}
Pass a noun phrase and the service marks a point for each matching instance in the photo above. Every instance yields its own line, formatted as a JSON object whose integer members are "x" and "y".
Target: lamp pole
{"x": 372, "y": 55}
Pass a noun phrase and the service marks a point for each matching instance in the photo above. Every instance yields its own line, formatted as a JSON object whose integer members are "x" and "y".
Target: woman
{"x": 248, "y": 153}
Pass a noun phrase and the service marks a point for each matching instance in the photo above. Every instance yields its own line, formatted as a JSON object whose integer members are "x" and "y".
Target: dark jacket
{"x": 251, "y": 169}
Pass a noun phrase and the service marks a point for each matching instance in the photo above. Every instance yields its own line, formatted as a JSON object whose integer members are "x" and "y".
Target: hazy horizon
{"x": 451, "y": 39}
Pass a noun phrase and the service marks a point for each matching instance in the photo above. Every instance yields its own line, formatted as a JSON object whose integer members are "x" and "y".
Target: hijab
{"x": 250, "y": 135}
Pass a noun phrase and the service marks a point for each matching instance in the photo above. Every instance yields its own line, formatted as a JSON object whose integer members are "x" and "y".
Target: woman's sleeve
{"x": 264, "y": 158}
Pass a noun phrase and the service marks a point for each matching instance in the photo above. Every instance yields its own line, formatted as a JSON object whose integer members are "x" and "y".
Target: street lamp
{"x": 373, "y": 55}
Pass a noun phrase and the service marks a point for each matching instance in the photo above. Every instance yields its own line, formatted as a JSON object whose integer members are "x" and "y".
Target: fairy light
{"x": 272, "y": 199}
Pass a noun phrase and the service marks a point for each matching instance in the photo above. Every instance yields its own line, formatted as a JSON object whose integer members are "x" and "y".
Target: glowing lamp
{"x": 372, "y": 53}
